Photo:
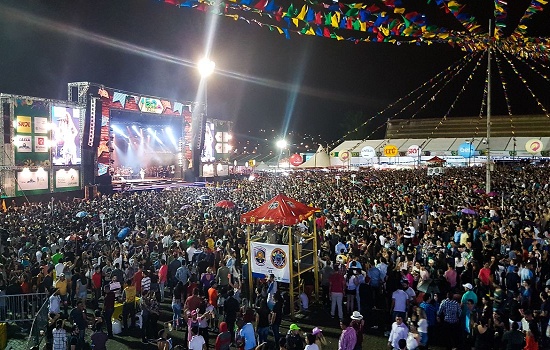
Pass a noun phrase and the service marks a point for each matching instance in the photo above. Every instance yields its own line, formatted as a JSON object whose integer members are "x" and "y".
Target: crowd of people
{"x": 429, "y": 260}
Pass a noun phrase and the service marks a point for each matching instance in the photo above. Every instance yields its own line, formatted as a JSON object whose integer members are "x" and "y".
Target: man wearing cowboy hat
{"x": 358, "y": 324}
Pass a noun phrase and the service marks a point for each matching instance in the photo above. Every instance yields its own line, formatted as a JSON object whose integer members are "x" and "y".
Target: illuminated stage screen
{"x": 66, "y": 136}
{"x": 142, "y": 141}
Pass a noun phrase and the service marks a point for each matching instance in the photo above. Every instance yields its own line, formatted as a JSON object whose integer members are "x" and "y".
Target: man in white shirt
{"x": 197, "y": 341}
{"x": 399, "y": 303}
{"x": 59, "y": 267}
{"x": 190, "y": 252}
{"x": 55, "y": 303}
{"x": 409, "y": 234}
{"x": 399, "y": 331}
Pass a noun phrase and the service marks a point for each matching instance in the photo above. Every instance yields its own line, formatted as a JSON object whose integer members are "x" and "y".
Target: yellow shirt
{"x": 210, "y": 243}
{"x": 62, "y": 286}
{"x": 130, "y": 293}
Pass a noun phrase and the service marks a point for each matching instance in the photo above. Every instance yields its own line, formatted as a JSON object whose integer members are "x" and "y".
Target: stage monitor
{"x": 66, "y": 136}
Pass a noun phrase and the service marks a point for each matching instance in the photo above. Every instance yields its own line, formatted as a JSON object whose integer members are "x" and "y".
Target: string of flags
{"x": 386, "y": 21}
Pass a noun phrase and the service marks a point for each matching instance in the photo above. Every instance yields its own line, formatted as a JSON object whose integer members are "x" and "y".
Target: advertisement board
{"x": 66, "y": 136}
{"x": 32, "y": 182}
{"x": 31, "y": 120}
{"x": 67, "y": 179}
{"x": 271, "y": 259}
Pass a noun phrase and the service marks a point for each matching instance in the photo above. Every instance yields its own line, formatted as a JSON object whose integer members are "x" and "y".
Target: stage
{"x": 121, "y": 184}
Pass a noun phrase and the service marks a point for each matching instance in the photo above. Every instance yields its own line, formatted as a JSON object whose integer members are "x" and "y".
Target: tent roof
{"x": 279, "y": 210}
{"x": 436, "y": 159}
{"x": 319, "y": 160}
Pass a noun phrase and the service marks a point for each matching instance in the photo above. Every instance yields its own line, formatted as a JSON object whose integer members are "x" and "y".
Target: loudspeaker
{"x": 92, "y": 124}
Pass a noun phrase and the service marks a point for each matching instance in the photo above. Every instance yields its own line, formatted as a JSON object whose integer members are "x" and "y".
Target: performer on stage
{"x": 142, "y": 173}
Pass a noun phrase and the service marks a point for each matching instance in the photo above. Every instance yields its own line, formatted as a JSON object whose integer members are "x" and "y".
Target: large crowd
{"x": 430, "y": 260}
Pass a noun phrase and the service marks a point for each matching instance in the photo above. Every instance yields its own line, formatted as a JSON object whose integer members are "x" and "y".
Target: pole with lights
{"x": 282, "y": 144}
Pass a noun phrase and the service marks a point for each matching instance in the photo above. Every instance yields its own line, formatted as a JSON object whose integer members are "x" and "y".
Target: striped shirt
{"x": 451, "y": 311}
{"x": 145, "y": 284}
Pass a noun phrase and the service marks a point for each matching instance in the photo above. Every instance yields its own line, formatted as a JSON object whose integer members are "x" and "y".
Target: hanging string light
{"x": 483, "y": 106}
{"x": 505, "y": 89}
{"x": 464, "y": 86}
{"x": 443, "y": 74}
{"x": 524, "y": 81}
{"x": 446, "y": 82}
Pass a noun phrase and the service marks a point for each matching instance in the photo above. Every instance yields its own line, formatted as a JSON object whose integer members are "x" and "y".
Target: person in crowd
{"x": 294, "y": 339}
{"x": 99, "y": 338}
{"x": 399, "y": 331}
{"x": 348, "y": 338}
{"x": 223, "y": 340}
{"x": 310, "y": 342}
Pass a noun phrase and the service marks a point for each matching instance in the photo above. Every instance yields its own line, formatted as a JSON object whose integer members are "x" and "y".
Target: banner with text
{"x": 271, "y": 258}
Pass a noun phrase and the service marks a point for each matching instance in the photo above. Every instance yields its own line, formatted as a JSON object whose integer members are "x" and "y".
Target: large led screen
{"x": 66, "y": 136}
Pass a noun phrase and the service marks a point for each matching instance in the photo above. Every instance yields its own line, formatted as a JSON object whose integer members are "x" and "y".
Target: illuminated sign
{"x": 40, "y": 125}
{"x": 67, "y": 178}
{"x": 150, "y": 105}
{"x": 23, "y": 143}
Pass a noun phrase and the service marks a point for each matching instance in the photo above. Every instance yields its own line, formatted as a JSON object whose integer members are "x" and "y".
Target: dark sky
{"x": 316, "y": 82}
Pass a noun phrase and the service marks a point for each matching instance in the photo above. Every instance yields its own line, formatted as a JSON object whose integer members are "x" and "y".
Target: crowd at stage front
{"x": 424, "y": 260}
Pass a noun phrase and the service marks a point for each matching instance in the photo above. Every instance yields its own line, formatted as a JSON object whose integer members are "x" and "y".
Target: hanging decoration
{"x": 388, "y": 21}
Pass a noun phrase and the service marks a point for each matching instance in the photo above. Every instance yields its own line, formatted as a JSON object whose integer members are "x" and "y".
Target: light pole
{"x": 205, "y": 67}
{"x": 281, "y": 144}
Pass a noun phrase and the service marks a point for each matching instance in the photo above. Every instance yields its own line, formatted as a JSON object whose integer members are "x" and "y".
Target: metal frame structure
{"x": 8, "y": 168}
{"x": 295, "y": 272}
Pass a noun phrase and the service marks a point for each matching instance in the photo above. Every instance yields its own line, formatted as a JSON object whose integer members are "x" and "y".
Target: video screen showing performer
{"x": 66, "y": 136}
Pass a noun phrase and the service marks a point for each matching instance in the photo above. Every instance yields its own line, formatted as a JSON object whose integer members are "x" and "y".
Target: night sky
{"x": 310, "y": 85}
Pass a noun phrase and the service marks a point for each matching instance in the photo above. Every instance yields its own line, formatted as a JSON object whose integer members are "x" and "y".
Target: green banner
{"x": 32, "y": 133}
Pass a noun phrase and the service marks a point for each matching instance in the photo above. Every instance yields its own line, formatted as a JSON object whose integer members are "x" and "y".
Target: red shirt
{"x": 163, "y": 274}
{"x": 337, "y": 282}
{"x": 96, "y": 280}
{"x": 485, "y": 276}
{"x": 25, "y": 287}
{"x": 138, "y": 276}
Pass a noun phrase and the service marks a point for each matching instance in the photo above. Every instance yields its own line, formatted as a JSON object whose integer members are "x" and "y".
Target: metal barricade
{"x": 22, "y": 307}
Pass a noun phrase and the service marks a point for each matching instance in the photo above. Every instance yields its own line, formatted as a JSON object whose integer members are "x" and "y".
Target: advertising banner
{"x": 67, "y": 179}
{"x": 31, "y": 117}
{"x": 41, "y": 125}
{"x": 32, "y": 180}
{"x": 271, "y": 259}
{"x": 41, "y": 144}
{"x": 23, "y": 143}
{"x": 24, "y": 124}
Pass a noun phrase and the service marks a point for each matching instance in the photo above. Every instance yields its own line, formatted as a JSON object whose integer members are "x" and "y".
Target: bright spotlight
{"x": 168, "y": 129}
{"x": 206, "y": 67}
{"x": 282, "y": 144}
{"x": 135, "y": 129}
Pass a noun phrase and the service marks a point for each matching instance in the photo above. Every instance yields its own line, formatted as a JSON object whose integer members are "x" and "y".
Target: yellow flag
{"x": 310, "y": 31}
{"x": 4, "y": 209}
{"x": 544, "y": 2}
{"x": 302, "y": 13}
{"x": 399, "y": 10}
{"x": 443, "y": 35}
{"x": 334, "y": 21}
{"x": 279, "y": 30}
{"x": 363, "y": 26}
{"x": 295, "y": 21}
{"x": 384, "y": 30}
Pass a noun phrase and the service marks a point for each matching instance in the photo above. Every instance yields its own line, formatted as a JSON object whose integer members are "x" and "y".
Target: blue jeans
{"x": 262, "y": 334}
{"x": 177, "y": 315}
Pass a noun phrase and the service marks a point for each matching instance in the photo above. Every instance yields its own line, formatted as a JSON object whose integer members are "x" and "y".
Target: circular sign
{"x": 390, "y": 151}
{"x": 368, "y": 152}
{"x": 413, "y": 151}
{"x": 296, "y": 159}
{"x": 533, "y": 146}
{"x": 344, "y": 156}
{"x": 466, "y": 150}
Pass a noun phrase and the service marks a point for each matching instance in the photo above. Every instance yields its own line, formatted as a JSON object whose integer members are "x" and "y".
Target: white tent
{"x": 319, "y": 160}
{"x": 262, "y": 167}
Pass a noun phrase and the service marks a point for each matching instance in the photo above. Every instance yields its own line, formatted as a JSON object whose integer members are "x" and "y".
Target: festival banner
{"x": 271, "y": 259}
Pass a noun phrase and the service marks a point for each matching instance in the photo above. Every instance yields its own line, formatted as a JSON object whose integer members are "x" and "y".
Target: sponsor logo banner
{"x": 271, "y": 259}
